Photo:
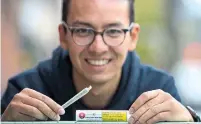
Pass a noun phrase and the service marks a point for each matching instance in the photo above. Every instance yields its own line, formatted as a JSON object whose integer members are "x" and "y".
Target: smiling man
{"x": 97, "y": 47}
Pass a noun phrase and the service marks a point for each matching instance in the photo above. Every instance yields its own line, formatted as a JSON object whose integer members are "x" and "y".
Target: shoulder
{"x": 150, "y": 73}
{"x": 31, "y": 78}
{"x": 34, "y": 78}
{"x": 38, "y": 75}
{"x": 147, "y": 76}
{"x": 152, "y": 78}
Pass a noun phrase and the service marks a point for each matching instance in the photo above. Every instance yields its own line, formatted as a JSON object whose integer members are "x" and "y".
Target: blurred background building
{"x": 170, "y": 39}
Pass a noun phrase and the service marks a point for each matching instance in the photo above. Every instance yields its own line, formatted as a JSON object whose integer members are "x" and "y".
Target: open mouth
{"x": 98, "y": 62}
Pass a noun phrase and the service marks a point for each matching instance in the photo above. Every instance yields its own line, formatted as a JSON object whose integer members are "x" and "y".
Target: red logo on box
{"x": 82, "y": 115}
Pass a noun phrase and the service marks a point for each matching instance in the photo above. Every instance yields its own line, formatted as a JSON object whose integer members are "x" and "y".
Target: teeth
{"x": 98, "y": 62}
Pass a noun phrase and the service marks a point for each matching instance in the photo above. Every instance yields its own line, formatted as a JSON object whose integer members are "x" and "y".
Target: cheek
{"x": 75, "y": 53}
{"x": 121, "y": 55}
{"x": 123, "y": 48}
{"x": 122, "y": 51}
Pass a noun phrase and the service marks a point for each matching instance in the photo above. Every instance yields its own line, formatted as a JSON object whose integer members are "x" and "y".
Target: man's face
{"x": 98, "y": 62}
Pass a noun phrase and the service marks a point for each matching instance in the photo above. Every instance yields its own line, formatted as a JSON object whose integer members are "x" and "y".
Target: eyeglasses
{"x": 85, "y": 36}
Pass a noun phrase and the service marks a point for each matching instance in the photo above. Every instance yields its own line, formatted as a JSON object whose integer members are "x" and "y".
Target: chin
{"x": 99, "y": 79}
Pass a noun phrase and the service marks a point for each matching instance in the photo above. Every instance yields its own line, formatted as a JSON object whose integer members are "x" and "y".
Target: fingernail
{"x": 131, "y": 111}
{"x": 131, "y": 120}
{"x": 61, "y": 111}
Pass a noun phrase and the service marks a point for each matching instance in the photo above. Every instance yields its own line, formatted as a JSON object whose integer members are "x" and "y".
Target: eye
{"x": 113, "y": 32}
{"x": 82, "y": 32}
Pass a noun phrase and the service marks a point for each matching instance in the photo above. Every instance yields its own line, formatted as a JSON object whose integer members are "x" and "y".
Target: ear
{"x": 134, "y": 37}
{"x": 62, "y": 37}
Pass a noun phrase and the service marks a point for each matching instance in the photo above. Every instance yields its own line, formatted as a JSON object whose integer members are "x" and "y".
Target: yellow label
{"x": 114, "y": 116}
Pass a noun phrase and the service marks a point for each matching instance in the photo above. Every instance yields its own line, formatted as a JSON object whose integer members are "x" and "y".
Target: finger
{"x": 51, "y": 103}
{"x": 142, "y": 111}
{"x": 160, "y": 112}
{"x": 22, "y": 117}
{"x": 153, "y": 111}
{"x": 142, "y": 99}
{"x": 30, "y": 111}
{"x": 160, "y": 117}
{"x": 41, "y": 106}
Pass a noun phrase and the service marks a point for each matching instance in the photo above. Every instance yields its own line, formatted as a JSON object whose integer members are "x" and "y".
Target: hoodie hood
{"x": 121, "y": 100}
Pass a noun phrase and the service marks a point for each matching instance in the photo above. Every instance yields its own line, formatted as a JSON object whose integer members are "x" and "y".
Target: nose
{"x": 98, "y": 45}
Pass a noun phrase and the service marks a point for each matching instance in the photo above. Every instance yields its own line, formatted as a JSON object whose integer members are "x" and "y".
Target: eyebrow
{"x": 116, "y": 24}
{"x": 77, "y": 23}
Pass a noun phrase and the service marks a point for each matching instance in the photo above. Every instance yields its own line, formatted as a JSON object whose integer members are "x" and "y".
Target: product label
{"x": 102, "y": 115}
{"x": 114, "y": 116}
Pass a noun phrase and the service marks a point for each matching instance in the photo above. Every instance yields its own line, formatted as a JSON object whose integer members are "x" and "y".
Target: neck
{"x": 100, "y": 94}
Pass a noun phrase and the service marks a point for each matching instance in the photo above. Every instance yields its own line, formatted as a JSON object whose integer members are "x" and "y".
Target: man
{"x": 97, "y": 40}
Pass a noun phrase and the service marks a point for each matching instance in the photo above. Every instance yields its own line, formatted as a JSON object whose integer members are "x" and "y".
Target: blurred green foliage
{"x": 147, "y": 14}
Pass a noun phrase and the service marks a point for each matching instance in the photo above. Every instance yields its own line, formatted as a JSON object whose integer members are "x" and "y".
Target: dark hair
{"x": 65, "y": 8}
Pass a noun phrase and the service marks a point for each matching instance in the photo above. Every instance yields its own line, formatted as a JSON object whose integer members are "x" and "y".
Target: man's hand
{"x": 155, "y": 106}
{"x": 30, "y": 105}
